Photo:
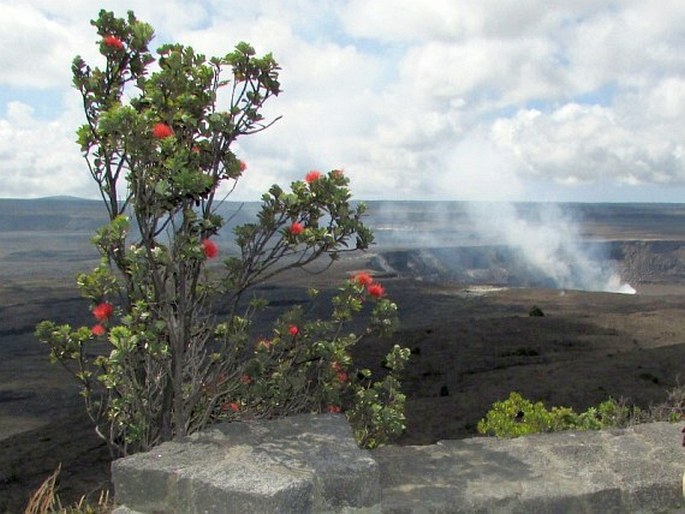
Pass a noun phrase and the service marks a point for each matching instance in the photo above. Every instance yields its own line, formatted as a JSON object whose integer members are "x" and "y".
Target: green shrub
{"x": 518, "y": 416}
{"x": 160, "y": 148}
{"x": 536, "y": 311}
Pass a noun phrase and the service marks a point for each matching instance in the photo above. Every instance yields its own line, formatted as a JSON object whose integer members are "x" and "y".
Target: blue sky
{"x": 581, "y": 100}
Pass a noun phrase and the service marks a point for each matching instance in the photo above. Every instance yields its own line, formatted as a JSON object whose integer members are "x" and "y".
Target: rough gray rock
{"x": 639, "y": 469}
{"x": 312, "y": 464}
{"x": 295, "y": 464}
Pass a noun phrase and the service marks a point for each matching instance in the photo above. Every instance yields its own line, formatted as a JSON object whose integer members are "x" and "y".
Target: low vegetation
{"x": 45, "y": 500}
{"x": 518, "y": 416}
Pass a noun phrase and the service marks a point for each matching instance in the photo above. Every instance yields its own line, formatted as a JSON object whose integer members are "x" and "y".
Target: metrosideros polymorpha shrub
{"x": 174, "y": 315}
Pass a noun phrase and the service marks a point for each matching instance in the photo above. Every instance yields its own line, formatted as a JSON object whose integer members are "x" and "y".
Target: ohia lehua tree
{"x": 178, "y": 349}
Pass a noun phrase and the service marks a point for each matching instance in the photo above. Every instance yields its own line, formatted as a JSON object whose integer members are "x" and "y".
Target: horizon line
{"x": 379, "y": 200}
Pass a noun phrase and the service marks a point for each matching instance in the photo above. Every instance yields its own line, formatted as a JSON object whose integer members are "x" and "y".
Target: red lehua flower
{"x": 162, "y": 130}
{"x": 210, "y": 248}
{"x": 363, "y": 278}
{"x": 113, "y": 42}
{"x": 296, "y": 228}
{"x": 334, "y": 409}
{"x": 234, "y": 406}
{"x": 246, "y": 379}
{"x": 195, "y": 149}
{"x": 98, "y": 330}
{"x": 242, "y": 165}
{"x": 376, "y": 290}
{"x": 342, "y": 377}
{"x": 103, "y": 311}
{"x": 293, "y": 330}
{"x": 312, "y": 176}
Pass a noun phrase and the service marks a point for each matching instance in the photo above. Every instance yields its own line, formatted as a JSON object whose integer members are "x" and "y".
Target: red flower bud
{"x": 103, "y": 311}
{"x": 98, "y": 330}
{"x": 162, "y": 130}
{"x": 293, "y": 330}
{"x": 363, "y": 279}
{"x": 234, "y": 406}
{"x": 296, "y": 228}
{"x": 210, "y": 248}
{"x": 376, "y": 290}
{"x": 312, "y": 176}
{"x": 113, "y": 42}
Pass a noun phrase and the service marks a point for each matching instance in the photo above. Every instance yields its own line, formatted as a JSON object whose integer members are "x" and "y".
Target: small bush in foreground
{"x": 518, "y": 416}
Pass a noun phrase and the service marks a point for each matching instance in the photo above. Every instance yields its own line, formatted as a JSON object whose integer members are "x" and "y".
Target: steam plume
{"x": 550, "y": 243}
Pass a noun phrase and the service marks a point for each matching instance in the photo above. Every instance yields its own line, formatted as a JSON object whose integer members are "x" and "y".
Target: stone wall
{"x": 312, "y": 464}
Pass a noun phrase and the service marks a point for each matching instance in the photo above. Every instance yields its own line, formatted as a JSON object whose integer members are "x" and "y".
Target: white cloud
{"x": 30, "y": 37}
{"x": 39, "y": 158}
{"x": 627, "y": 47}
{"x": 490, "y": 71}
{"x": 412, "y": 99}
{"x": 327, "y": 105}
{"x": 407, "y": 20}
{"x": 479, "y": 171}
{"x": 664, "y": 103}
{"x": 580, "y": 143}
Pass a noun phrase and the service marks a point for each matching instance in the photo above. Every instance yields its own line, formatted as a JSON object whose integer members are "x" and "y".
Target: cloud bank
{"x": 448, "y": 100}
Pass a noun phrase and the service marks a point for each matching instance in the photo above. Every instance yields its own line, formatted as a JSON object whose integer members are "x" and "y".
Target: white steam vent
{"x": 550, "y": 244}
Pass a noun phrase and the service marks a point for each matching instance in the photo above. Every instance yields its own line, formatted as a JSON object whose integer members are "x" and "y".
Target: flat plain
{"x": 469, "y": 329}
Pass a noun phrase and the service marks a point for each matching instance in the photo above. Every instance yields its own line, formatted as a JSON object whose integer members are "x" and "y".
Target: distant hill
{"x": 64, "y": 214}
{"x": 395, "y": 223}
{"x": 71, "y": 214}
{"x": 66, "y": 198}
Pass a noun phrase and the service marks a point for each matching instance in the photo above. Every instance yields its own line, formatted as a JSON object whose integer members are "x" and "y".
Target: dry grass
{"x": 46, "y": 501}
{"x": 43, "y": 499}
{"x": 672, "y": 409}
